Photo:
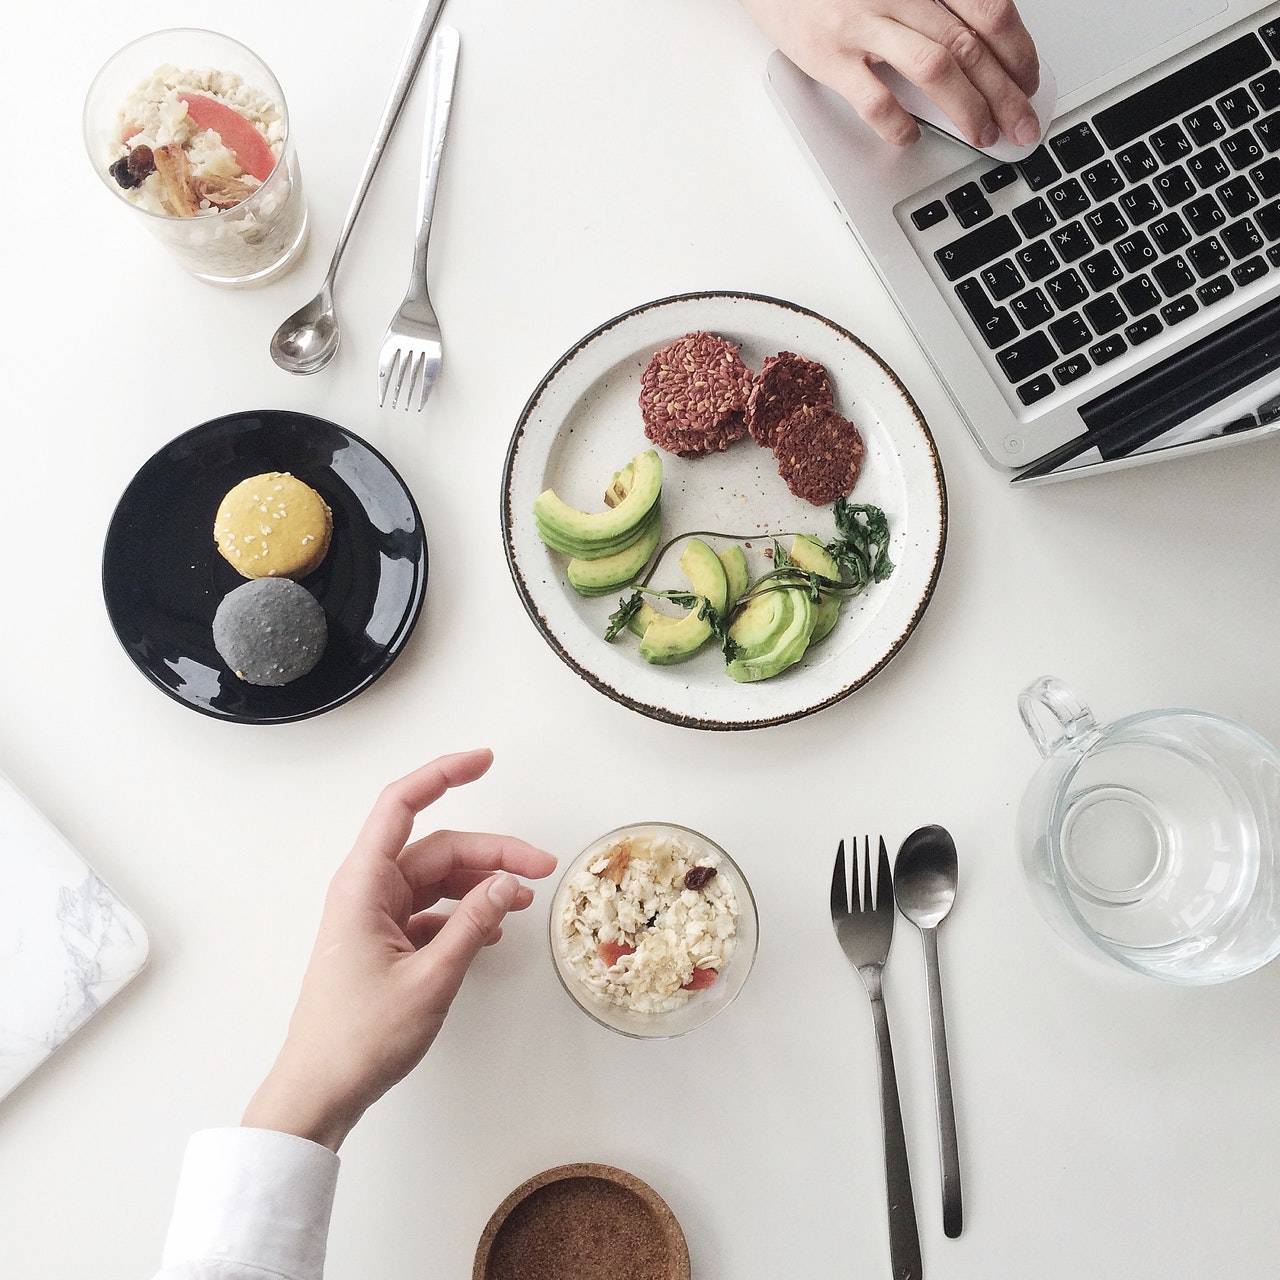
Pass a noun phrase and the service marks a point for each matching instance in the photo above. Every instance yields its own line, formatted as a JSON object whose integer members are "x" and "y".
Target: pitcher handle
{"x": 1067, "y": 718}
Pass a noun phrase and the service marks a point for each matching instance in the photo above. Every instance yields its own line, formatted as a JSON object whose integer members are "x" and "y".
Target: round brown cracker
{"x": 693, "y": 395}
{"x": 819, "y": 455}
{"x": 786, "y": 383}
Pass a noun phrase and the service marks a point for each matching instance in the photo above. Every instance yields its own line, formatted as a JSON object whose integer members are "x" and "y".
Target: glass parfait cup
{"x": 251, "y": 242}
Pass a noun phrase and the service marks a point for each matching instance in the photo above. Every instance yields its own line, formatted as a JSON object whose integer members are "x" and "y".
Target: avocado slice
{"x": 809, "y": 554}
{"x": 599, "y": 577}
{"x": 596, "y": 534}
{"x": 772, "y": 632}
{"x": 668, "y": 640}
{"x": 734, "y": 560}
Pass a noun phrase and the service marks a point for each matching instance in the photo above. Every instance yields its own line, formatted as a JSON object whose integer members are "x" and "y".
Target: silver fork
{"x": 412, "y": 351}
{"x": 864, "y": 927}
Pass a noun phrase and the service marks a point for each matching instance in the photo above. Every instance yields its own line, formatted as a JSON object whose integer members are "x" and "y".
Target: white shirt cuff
{"x": 252, "y": 1200}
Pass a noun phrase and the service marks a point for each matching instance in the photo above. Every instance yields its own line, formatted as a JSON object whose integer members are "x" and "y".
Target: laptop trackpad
{"x": 1090, "y": 38}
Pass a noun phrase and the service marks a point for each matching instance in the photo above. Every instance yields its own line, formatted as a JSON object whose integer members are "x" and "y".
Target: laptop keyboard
{"x": 1153, "y": 210}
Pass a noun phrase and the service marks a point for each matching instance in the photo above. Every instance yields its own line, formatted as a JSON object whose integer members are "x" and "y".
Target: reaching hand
{"x": 385, "y": 967}
{"x": 973, "y": 58}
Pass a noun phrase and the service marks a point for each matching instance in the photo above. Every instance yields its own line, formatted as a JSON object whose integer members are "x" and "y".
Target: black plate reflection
{"x": 163, "y": 578}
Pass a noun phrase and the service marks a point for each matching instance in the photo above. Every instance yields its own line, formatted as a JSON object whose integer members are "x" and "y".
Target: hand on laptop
{"x": 974, "y": 59}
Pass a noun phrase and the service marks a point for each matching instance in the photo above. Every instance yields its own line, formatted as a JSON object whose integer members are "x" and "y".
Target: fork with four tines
{"x": 412, "y": 351}
{"x": 863, "y": 921}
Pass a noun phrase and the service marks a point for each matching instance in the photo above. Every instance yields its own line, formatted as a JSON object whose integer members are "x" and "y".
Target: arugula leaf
{"x": 628, "y": 607}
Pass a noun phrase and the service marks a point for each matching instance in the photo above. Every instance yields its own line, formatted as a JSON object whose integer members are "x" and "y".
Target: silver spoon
{"x": 924, "y": 884}
{"x": 307, "y": 340}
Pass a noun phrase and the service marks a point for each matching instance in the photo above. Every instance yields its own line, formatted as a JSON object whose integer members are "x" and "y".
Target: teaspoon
{"x": 924, "y": 884}
{"x": 307, "y": 340}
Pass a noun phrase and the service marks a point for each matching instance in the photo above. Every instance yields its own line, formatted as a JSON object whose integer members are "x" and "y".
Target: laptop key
{"x": 994, "y": 323}
{"x": 1204, "y": 125}
{"x": 1208, "y": 168}
{"x": 1136, "y": 251}
{"x": 1267, "y": 132}
{"x": 1037, "y": 260}
{"x": 929, "y": 216}
{"x": 1039, "y": 170}
{"x": 1076, "y": 147}
{"x": 1143, "y": 330}
{"x": 1140, "y": 204}
{"x": 968, "y": 194}
{"x": 1067, "y": 290}
{"x": 1002, "y": 279}
{"x": 1170, "y": 143}
{"x": 1169, "y": 233}
{"x": 1139, "y": 295}
{"x": 1104, "y": 314}
{"x": 1026, "y": 356}
{"x": 1268, "y": 220}
{"x": 1034, "y": 217}
{"x": 974, "y": 250}
{"x": 1237, "y": 107}
{"x": 1266, "y": 90}
{"x": 1138, "y": 161}
{"x": 1179, "y": 309}
{"x": 998, "y": 178}
{"x": 1208, "y": 257}
{"x": 1103, "y": 180}
{"x": 1173, "y": 186}
{"x": 1036, "y": 389}
{"x": 1237, "y": 196}
{"x": 1031, "y": 309}
{"x": 1101, "y": 271}
{"x": 1181, "y": 92}
{"x": 1242, "y": 239}
{"x": 1266, "y": 177}
{"x": 971, "y": 214}
{"x": 1241, "y": 150}
{"x": 1204, "y": 215}
{"x": 1249, "y": 271}
{"x": 1070, "y": 242}
{"x": 1174, "y": 276}
{"x": 1107, "y": 350}
{"x": 1106, "y": 222}
{"x": 1068, "y": 199}
{"x": 1215, "y": 290}
{"x": 1070, "y": 333}
{"x": 1070, "y": 370}
{"x": 1270, "y": 32}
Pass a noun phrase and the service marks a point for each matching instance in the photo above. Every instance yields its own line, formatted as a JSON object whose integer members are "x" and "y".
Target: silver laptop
{"x": 1114, "y": 297}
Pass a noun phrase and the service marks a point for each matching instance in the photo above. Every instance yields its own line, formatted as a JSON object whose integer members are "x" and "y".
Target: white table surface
{"x": 602, "y": 154}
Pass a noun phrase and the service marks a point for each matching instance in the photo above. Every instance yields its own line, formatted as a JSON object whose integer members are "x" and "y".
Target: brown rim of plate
{"x": 545, "y": 1225}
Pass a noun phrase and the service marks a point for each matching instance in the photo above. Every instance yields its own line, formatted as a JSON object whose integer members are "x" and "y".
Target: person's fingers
{"x": 1000, "y": 25}
{"x": 459, "y": 939}
{"x": 456, "y": 885}
{"x": 390, "y": 823}
{"x": 426, "y": 861}
{"x": 1005, "y": 103}
{"x": 423, "y": 928}
{"x": 940, "y": 62}
{"x": 868, "y": 95}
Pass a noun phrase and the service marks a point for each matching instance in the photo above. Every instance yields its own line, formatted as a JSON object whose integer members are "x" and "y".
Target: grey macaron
{"x": 270, "y": 631}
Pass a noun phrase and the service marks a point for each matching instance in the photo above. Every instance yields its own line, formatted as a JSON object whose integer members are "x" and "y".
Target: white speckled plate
{"x": 583, "y": 423}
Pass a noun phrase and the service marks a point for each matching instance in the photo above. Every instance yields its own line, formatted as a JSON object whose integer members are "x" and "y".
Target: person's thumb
{"x": 471, "y": 924}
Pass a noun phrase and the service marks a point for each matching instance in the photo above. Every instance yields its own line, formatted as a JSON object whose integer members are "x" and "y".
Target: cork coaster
{"x": 582, "y": 1222}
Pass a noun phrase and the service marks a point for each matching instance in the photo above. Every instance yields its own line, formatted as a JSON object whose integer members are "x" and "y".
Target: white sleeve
{"x": 251, "y": 1203}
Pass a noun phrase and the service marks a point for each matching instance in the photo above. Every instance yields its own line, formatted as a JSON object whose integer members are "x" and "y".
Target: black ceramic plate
{"x": 163, "y": 577}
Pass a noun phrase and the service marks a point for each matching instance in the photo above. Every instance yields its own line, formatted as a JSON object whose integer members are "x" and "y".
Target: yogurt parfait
{"x": 653, "y": 929}
{"x": 191, "y": 129}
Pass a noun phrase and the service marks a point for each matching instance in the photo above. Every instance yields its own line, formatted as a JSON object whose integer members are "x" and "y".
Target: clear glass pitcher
{"x": 1154, "y": 839}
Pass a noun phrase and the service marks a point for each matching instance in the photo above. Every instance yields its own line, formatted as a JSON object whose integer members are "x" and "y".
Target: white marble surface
{"x": 67, "y": 942}
{"x": 602, "y": 154}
